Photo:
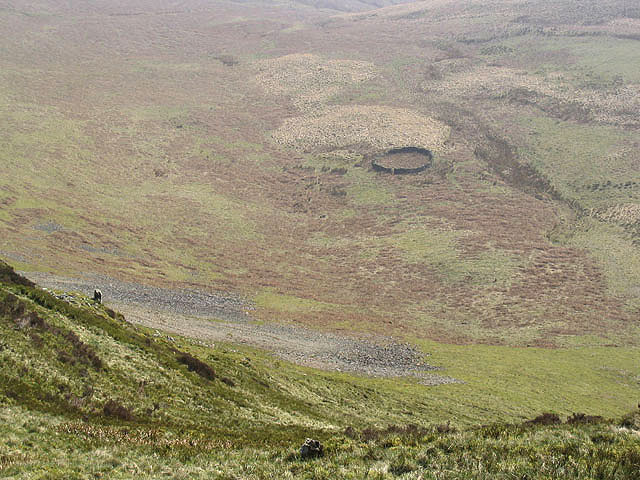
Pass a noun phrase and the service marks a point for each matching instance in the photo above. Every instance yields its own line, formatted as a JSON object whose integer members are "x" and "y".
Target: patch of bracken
{"x": 114, "y": 409}
{"x": 196, "y": 365}
{"x": 545, "y": 419}
{"x": 578, "y": 418}
{"x": 8, "y": 275}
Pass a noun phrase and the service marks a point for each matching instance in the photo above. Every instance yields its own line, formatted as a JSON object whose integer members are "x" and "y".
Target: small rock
{"x": 311, "y": 448}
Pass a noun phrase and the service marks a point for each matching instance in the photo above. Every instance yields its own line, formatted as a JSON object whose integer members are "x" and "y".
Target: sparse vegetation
{"x": 226, "y": 146}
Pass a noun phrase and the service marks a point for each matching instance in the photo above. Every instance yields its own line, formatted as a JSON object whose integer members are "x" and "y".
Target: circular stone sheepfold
{"x": 403, "y": 160}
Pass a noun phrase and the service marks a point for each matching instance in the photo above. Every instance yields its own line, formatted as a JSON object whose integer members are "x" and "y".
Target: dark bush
{"x": 369, "y": 434}
{"x": 29, "y": 319}
{"x": 228, "y": 381}
{"x": 337, "y": 191}
{"x": 631, "y": 420}
{"x": 578, "y": 418}
{"x": 607, "y": 438}
{"x": 66, "y": 358}
{"x": 11, "y": 306}
{"x": 350, "y": 432}
{"x": 445, "y": 428}
{"x": 36, "y": 340}
{"x": 545, "y": 419}
{"x": 37, "y": 322}
{"x": 8, "y": 275}
{"x": 114, "y": 409}
{"x": 196, "y": 365}
{"x": 409, "y": 430}
{"x": 227, "y": 60}
{"x": 82, "y": 351}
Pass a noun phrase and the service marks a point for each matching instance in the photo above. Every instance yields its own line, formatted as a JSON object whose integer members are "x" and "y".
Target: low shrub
{"x": 545, "y": 419}
{"x": 82, "y": 351}
{"x": 196, "y": 365}
{"x": 584, "y": 418}
{"x": 8, "y": 275}
{"x": 631, "y": 420}
{"x": 115, "y": 409}
{"x": 228, "y": 381}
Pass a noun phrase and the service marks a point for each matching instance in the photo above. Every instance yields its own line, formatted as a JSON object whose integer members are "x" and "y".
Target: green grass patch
{"x": 251, "y": 411}
{"x": 288, "y": 303}
{"x": 574, "y": 157}
{"x": 516, "y": 381}
{"x": 593, "y": 61}
{"x": 440, "y": 249}
{"x": 33, "y": 136}
{"x": 605, "y": 56}
{"x": 366, "y": 189}
{"x": 615, "y": 252}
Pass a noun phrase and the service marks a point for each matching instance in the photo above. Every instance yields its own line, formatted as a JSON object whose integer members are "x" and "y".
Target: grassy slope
{"x": 247, "y": 419}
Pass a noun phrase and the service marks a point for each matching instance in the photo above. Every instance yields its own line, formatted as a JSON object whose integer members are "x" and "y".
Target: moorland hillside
{"x": 229, "y": 146}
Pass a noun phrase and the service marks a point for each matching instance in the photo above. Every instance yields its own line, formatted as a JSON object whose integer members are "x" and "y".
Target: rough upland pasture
{"x": 227, "y": 149}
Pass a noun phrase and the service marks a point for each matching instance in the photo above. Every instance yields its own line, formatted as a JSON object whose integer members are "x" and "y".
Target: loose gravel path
{"x": 223, "y": 317}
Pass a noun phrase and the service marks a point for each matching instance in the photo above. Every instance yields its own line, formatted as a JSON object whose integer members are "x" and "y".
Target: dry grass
{"x": 310, "y": 80}
{"x": 376, "y": 127}
{"x": 627, "y": 213}
{"x": 558, "y": 92}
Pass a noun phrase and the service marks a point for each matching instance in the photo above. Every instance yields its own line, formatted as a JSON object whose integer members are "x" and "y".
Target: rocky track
{"x": 183, "y": 302}
{"x": 225, "y": 318}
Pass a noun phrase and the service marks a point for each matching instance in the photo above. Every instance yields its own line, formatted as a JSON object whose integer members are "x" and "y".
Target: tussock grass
{"x": 310, "y": 79}
{"x": 377, "y": 127}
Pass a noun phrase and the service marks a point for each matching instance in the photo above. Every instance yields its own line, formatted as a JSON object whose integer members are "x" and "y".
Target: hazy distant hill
{"x": 351, "y": 5}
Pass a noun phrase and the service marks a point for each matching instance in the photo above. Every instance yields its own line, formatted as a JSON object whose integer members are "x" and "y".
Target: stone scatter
{"x": 208, "y": 317}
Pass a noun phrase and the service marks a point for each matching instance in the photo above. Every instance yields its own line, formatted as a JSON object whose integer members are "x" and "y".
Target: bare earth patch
{"x": 221, "y": 317}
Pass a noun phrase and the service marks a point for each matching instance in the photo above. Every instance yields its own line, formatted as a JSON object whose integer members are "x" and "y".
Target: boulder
{"x": 311, "y": 448}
